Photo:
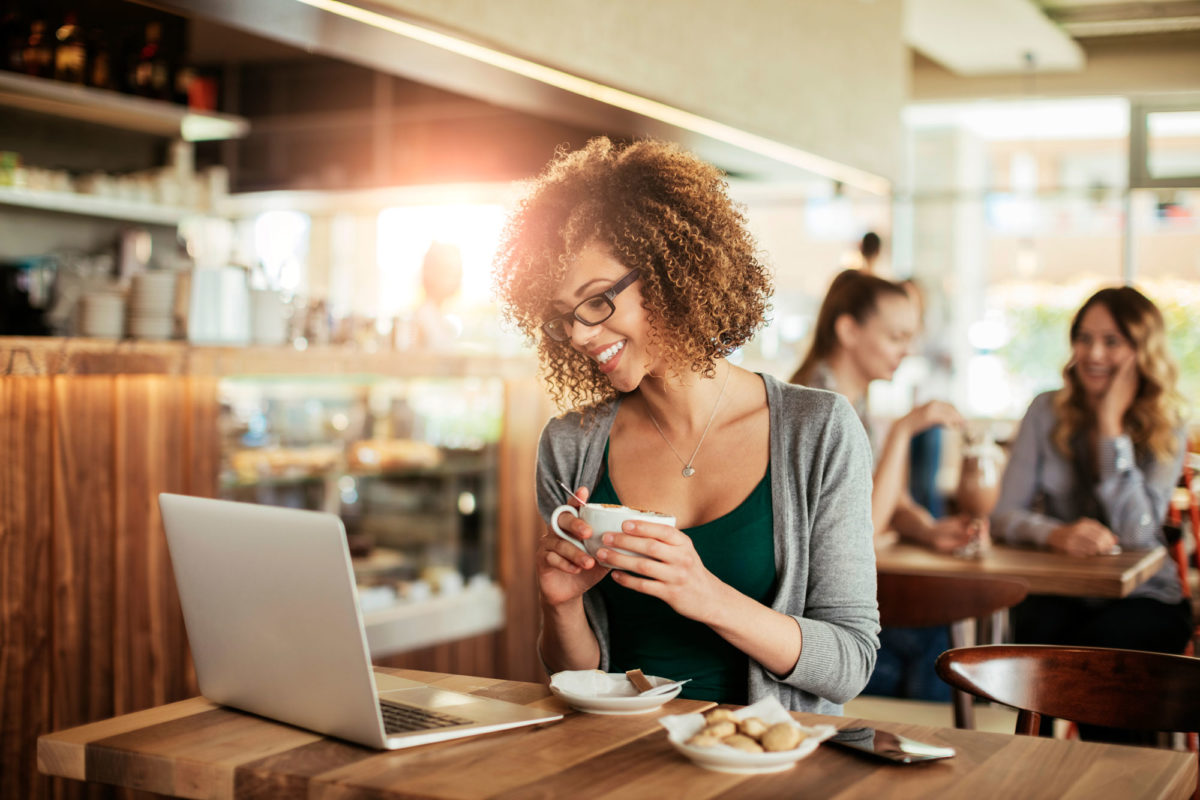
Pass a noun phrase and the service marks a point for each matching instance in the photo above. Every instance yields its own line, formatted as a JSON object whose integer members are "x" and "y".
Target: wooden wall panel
{"x": 26, "y": 549}
{"x": 148, "y": 626}
{"x": 84, "y": 488}
{"x": 527, "y": 408}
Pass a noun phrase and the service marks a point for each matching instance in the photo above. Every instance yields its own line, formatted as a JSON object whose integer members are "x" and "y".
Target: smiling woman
{"x": 634, "y": 273}
{"x": 1093, "y": 467}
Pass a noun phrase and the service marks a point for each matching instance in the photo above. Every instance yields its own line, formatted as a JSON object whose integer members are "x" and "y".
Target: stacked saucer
{"x": 152, "y": 305}
{"x": 102, "y": 315}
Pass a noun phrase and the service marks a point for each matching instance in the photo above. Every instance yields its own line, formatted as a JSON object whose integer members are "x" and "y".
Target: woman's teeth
{"x": 608, "y": 354}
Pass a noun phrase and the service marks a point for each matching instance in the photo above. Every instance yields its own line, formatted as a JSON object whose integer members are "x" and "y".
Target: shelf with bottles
{"x": 123, "y": 65}
{"x": 106, "y": 107}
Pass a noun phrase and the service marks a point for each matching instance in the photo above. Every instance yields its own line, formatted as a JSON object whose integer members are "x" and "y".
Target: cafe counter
{"x": 92, "y": 431}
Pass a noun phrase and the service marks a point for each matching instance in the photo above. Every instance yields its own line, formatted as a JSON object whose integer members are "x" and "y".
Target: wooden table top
{"x": 1046, "y": 572}
{"x": 196, "y": 749}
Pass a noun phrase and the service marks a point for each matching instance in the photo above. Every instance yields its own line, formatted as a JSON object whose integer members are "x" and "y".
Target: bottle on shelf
{"x": 70, "y": 52}
{"x": 12, "y": 39}
{"x": 37, "y": 55}
{"x": 150, "y": 75}
{"x": 100, "y": 64}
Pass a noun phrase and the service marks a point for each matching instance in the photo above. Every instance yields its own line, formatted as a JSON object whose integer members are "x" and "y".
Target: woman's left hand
{"x": 671, "y": 569}
{"x": 1117, "y": 399}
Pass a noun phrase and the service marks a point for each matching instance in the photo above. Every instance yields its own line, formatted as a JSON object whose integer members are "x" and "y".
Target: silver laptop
{"x": 273, "y": 620}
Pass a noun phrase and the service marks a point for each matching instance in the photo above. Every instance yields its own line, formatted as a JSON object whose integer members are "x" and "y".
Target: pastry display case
{"x": 410, "y": 465}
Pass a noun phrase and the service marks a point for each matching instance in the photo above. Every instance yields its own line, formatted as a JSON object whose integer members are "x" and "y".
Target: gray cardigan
{"x": 1130, "y": 495}
{"x": 824, "y": 556}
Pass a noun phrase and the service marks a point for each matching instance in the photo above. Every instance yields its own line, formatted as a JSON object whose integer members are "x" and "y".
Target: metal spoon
{"x": 662, "y": 688}
{"x": 568, "y": 490}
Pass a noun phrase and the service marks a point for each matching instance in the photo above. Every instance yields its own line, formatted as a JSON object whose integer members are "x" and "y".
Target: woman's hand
{"x": 1117, "y": 399}
{"x": 1083, "y": 537}
{"x": 951, "y": 533}
{"x": 935, "y": 412}
{"x": 671, "y": 570}
{"x": 565, "y": 572}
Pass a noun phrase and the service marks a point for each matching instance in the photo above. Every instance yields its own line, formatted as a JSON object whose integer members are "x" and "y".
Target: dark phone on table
{"x": 890, "y": 746}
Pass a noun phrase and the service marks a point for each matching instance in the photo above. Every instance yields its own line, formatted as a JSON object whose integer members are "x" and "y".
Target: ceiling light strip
{"x": 615, "y": 97}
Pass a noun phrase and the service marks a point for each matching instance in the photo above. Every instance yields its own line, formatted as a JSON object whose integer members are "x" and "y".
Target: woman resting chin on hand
{"x": 1100, "y": 458}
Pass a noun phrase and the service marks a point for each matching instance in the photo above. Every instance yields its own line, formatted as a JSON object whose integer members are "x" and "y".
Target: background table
{"x": 196, "y": 749}
{"x": 1046, "y": 572}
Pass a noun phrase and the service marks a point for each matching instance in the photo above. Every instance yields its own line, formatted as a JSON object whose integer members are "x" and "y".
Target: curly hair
{"x": 658, "y": 209}
{"x": 852, "y": 292}
{"x": 1153, "y": 418}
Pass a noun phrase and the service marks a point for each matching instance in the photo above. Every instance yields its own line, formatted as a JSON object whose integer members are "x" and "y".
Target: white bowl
{"x": 599, "y": 692}
{"x": 721, "y": 758}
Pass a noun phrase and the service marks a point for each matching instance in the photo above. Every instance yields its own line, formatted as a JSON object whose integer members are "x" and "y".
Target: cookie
{"x": 703, "y": 739}
{"x": 721, "y": 729}
{"x": 744, "y": 743}
{"x": 752, "y": 727}
{"x": 782, "y": 736}
{"x": 718, "y": 714}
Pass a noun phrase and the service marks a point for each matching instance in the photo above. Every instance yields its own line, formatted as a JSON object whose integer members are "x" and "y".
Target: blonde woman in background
{"x": 1092, "y": 470}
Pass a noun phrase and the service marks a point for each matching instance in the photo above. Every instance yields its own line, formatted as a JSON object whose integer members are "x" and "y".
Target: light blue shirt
{"x": 1042, "y": 489}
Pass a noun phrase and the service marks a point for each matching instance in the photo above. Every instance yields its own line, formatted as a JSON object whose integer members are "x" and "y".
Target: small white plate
{"x": 720, "y": 758}
{"x": 599, "y": 692}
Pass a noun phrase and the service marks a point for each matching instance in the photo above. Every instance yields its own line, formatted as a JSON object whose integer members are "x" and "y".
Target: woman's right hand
{"x": 1083, "y": 537}
{"x": 565, "y": 572}
{"x": 935, "y": 412}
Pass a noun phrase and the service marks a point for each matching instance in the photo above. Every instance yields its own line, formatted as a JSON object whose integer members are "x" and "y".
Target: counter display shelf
{"x": 93, "y": 430}
{"x": 408, "y": 464}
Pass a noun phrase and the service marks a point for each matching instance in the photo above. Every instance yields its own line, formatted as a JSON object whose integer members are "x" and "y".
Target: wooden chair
{"x": 914, "y": 600}
{"x": 1092, "y": 685}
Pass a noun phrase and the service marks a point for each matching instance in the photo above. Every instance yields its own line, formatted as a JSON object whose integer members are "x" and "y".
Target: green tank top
{"x": 647, "y": 634}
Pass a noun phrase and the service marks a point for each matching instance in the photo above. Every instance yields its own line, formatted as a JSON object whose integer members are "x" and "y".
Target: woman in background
{"x": 634, "y": 273}
{"x": 864, "y": 329}
{"x": 1092, "y": 470}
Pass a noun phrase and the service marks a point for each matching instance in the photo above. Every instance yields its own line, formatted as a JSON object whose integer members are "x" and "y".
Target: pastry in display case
{"x": 410, "y": 467}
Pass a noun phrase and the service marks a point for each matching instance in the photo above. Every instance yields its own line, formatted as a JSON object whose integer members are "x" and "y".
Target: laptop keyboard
{"x": 398, "y": 718}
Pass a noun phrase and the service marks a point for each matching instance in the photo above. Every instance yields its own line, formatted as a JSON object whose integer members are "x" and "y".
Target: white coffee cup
{"x": 604, "y": 517}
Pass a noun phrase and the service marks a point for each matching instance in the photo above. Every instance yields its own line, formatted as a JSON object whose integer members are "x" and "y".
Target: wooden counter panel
{"x": 84, "y": 540}
{"x": 147, "y": 621}
{"x": 26, "y": 546}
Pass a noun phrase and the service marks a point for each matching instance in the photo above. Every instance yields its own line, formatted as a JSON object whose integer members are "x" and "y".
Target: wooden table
{"x": 1046, "y": 572}
{"x": 196, "y": 749}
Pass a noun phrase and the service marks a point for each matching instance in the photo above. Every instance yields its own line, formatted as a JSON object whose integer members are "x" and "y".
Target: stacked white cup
{"x": 102, "y": 315}
{"x": 152, "y": 305}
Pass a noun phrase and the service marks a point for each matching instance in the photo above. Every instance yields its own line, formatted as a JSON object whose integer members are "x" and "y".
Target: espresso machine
{"x": 26, "y": 291}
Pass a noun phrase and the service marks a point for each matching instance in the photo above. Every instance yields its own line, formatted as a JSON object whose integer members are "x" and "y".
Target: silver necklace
{"x": 688, "y": 471}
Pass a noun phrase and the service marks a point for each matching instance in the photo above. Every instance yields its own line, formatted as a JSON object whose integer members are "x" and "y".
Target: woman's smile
{"x": 609, "y": 356}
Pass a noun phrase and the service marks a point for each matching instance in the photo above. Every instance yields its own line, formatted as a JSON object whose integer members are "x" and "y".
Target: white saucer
{"x": 607, "y": 693}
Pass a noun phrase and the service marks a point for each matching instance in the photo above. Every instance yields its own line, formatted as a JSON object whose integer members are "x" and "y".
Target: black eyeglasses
{"x": 591, "y": 311}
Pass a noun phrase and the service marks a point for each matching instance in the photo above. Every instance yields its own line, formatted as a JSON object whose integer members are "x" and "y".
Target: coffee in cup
{"x": 604, "y": 517}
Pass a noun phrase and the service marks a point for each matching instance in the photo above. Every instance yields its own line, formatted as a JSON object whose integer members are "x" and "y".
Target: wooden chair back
{"x": 1093, "y": 685}
{"x": 914, "y": 600}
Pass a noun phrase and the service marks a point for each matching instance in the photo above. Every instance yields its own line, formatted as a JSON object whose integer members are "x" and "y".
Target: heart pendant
{"x": 688, "y": 472}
